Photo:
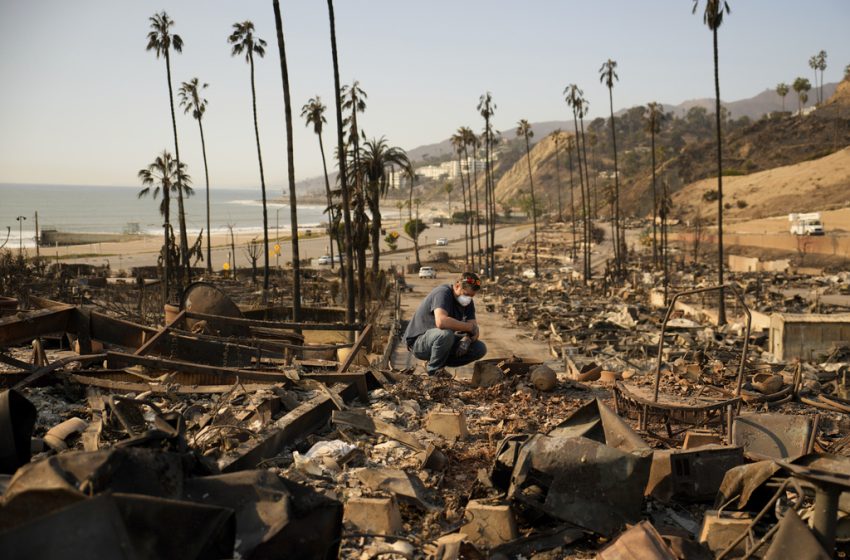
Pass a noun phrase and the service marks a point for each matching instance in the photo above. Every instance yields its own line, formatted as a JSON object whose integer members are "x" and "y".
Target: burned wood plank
{"x": 42, "y": 371}
{"x": 144, "y": 348}
{"x": 156, "y": 388}
{"x": 364, "y": 334}
{"x": 218, "y": 319}
{"x": 119, "y": 360}
{"x": 27, "y": 325}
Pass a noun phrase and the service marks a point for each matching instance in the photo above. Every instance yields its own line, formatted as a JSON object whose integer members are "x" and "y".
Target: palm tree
{"x": 354, "y": 100}
{"x": 162, "y": 41}
{"x": 813, "y": 64}
{"x": 607, "y": 75}
{"x": 782, "y": 90}
{"x": 191, "y": 100}
{"x": 313, "y": 112}
{"x": 161, "y": 176}
{"x": 572, "y": 198}
{"x": 575, "y": 101}
{"x": 343, "y": 179}
{"x": 290, "y": 168}
{"x": 410, "y": 173}
{"x": 458, "y": 142}
{"x": 556, "y": 137}
{"x": 801, "y": 87}
{"x": 713, "y": 18}
{"x": 821, "y": 66}
{"x": 486, "y": 108}
{"x": 448, "y": 188}
{"x": 471, "y": 141}
{"x": 376, "y": 159}
{"x": 244, "y": 41}
{"x": 654, "y": 114}
{"x": 524, "y": 130}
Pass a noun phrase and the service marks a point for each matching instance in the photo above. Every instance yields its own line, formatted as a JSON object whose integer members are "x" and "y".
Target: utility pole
{"x": 37, "y": 239}
{"x": 21, "y": 233}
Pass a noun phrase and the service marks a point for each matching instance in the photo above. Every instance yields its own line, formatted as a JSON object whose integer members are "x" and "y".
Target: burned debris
{"x": 641, "y": 429}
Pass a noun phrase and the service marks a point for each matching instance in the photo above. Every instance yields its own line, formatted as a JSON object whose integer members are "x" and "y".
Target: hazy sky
{"x": 82, "y": 102}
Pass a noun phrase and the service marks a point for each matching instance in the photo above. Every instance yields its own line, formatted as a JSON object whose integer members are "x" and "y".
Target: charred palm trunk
{"x": 290, "y": 156}
{"x": 582, "y": 189}
{"x": 346, "y": 207}
{"x": 589, "y": 225}
{"x": 721, "y": 309}
{"x": 477, "y": 220}
{"x": 207, "y": 177}
{"x": 375, "y": 196}
{"x": 465, "y": 213}
{"x": 654, "y": 200}
{"x": 262, "y": 180}
{"x": 618, "y": 249}
{"x": 332, "y": 233}
{"x": 533, "y": 205}
{"x": 572, "y": 201}
{"x": 184, "y": 243}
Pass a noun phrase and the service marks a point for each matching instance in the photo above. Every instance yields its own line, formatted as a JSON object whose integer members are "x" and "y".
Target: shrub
{"x": 741, "y": 204}
{"x": 710, "y": 195}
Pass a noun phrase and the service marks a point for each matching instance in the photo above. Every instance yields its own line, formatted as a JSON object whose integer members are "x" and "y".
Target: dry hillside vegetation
{"x": 822, "y": 184}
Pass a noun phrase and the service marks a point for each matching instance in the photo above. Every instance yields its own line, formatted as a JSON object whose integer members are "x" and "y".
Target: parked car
{"x": 324, "y": 259}
{"x": 442, "y": 242}
{"x": 528, "y": 273}
{"x": 427, "y": 272}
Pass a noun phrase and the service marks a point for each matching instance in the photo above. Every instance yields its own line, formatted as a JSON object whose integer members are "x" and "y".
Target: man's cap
{"x": 471, "y": 279}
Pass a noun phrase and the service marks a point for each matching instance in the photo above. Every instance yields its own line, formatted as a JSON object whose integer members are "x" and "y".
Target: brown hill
{"x": 811, "y": 186}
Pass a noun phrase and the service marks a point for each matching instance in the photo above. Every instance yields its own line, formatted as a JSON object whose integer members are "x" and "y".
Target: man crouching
{"x": 444, "y": 331}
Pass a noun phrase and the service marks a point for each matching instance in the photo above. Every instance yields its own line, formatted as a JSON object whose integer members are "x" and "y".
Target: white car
{"x": 324, "y": 259}
{"x": 442, "y": 242}
{"x": 427, "y": 272}
{"x": 528, "y": 273}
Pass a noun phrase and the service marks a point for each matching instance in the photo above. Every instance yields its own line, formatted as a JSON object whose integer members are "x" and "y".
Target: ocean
{"x": 94, "y": 209}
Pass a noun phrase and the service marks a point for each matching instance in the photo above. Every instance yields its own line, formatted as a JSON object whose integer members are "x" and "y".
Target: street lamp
{"x": 21, "y": 233}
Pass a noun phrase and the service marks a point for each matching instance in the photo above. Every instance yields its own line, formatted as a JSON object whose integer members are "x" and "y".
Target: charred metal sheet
{"x": 773, "y": 435}
{"x": 794, "y": 539}
{"x": 275, "y": 518}
{"x": 212, "y": 374}
{"x": 691, "y": 475}
{"x": 17, "y": 419}
{"x": 399, "y": 483}
{"x": 639, "y": 542}
{"x": 291, "y": 428}
{"x": 596, "y": 421}
{"x": 27, "y": 325}
{"x": 125, "y": 526}
{"x": 581, "y": 481}
{"x": 538, "y": 542}
{"x": 743, "y": 481}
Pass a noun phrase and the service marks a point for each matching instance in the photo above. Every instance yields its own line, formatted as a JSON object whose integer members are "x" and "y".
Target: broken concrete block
{"x": 486, "y": 374}
{"x": 720, "y": 529}
{"x": 451, "y": 425}
{"x": 373, "y": 515}
{"x": 489, "y": 525}
{"x": 543, "y": 378}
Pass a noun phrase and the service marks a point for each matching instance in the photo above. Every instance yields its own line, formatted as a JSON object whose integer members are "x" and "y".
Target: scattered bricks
{"x": 489, "y": 525}
{"x": 720, "y": 529}
{"x": 450, "y": 425}
{"x": 543, "y": 378}
{"x": 698, "y": 438}
{"x": 486, "y": 374}
{"x": 373, "y": 515}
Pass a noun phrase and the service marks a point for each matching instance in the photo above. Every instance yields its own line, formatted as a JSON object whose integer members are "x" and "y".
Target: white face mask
{"x": 464, "y": 300}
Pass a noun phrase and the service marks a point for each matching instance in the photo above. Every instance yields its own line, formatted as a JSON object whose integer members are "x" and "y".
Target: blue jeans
{"x": 437, "y": 347}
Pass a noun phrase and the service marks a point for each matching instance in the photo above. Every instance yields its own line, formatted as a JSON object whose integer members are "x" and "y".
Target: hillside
{"x": 817, "y": 185}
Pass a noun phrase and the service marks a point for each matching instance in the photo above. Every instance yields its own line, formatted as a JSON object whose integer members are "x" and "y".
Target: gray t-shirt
{"x": 441, "y": 297}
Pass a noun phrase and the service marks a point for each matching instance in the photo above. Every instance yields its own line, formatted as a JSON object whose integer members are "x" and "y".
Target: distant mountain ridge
{"x": 754, "y": 107}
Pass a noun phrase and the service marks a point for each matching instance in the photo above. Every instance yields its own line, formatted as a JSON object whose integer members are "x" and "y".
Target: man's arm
{"x": 444, "y": 321}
